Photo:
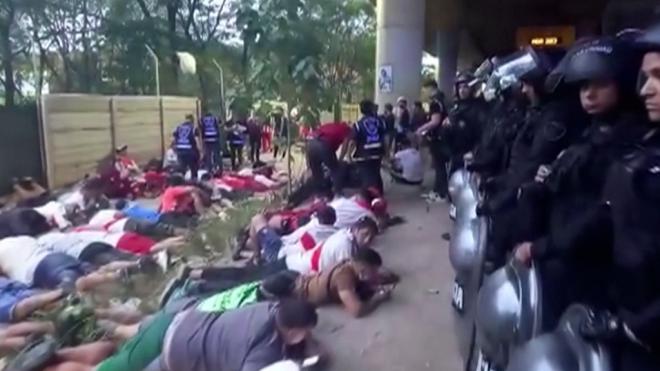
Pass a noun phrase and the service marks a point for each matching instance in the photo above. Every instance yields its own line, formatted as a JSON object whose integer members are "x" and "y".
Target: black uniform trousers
{"x": 188, "y": 160}
{"x": 236, "y": 155}
{"x": 440, "y": 184}
{"x": 212, "y": 156}
{"x": 255, "y": 148}
{"x": 318, "y": 154}
{"x": 370, "y": 176}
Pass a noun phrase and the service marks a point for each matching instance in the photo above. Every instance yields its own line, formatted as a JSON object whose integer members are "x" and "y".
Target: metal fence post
{"x": 113, "y": 130}
{"x": 161, "y": 122}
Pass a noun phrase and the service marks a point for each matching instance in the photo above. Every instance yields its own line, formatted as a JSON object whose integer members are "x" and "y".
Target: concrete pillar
{"x": 400, "y": 40}
{"x": 447, "y": 47}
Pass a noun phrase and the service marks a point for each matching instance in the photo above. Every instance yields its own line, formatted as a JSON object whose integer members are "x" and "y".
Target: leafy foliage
{"x": 310, "y": 53}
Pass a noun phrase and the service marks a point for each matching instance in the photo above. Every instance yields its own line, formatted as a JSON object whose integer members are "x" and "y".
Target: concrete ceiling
{"x": 491, "y": 24}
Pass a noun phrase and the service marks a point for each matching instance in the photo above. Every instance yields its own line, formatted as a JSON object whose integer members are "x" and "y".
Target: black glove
{"x": 489, "y": 185}
{"x": 483, "y": 209}
{"x": 602, "y": 326}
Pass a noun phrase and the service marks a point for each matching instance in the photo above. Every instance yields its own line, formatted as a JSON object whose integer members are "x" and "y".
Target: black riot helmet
{"x": 601, "y": 59}
{"x": 556, "y": 79}
{"x": 537, "y": 73}
{"x": 507, "y": 74}
{"x": 464, "y": 78}
{"x": 649, "y": 40}
{"x": 604, "y": 59}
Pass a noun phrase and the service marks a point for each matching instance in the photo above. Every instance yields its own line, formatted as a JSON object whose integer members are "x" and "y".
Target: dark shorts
{"x": 58, "y": 270}
{"x": 100, "y": 254}
{"x": 177, "y": 219}
{"x": 270, "y": 243}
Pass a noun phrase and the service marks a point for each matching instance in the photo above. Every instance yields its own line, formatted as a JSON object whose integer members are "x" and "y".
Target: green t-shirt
{"x": 235, "y": 298}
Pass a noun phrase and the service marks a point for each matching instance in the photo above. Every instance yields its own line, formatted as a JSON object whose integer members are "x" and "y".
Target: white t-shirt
{"x": 112, "y": 238}
{"x": 107, "y": 219}
{"x": 411, "y": 164}
{"x": 19, "y": 257}
{"x": 170, "y": 158}
{"x": 74, "y": 198}
{"x": 54, "y": 211}
{"x": 305, "y": 238}
{"x": 349, "y": 212}
{"x": 72, "y": 243}
{"x": 325, "y": 255}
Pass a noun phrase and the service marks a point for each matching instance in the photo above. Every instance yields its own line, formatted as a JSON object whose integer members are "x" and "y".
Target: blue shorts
{"x": 11, "y": 293}
{"x": 58, "y": 270}
{"x": 270, "y": 243}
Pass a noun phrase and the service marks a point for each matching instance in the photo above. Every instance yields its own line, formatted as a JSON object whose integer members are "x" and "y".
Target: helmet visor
{"x": 509, "y": 72}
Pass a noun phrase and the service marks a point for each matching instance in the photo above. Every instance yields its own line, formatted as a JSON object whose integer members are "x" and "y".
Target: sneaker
{"x": 148, "y": 265}
{"x": 238, "y": 244}
{"x": 163, "y": 260}
{"x": 432, "y": 197}
{"x": 174, "y": 284}
{"x": 35, "y": 356}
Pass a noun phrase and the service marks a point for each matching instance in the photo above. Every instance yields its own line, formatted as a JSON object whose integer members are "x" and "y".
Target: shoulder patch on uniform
{"x": 554, "y": 131}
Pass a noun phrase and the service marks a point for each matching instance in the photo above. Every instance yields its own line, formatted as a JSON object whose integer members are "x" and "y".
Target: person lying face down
{"x": 18, "y": 301}
{"x": 99, "y": 248}
{"x": 117, "y": 221}
{"x": 339, "y": 247}
{"x": 181, "y": 202}
{"x": 353, "y": 282}
{"x": 267, "y": 243}
{"x": 350, "y": 283}
{"x": 367, "y": 203}
{"x": 24, "y": 261}
{"x": 247, "y": 339}
{"x": 23, "y": 222}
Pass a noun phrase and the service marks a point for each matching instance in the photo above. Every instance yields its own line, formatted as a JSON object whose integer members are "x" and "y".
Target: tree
{"x": 308, "y": 52}
{"x": 313, "y": 54}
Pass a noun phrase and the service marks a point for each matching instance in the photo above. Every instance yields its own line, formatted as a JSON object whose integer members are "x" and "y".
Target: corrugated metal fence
{"x": 80, "y": 130}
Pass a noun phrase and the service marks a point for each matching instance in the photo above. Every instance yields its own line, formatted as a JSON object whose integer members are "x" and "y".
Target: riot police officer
{"x": 185, "y": 144}
{"x": 369, "y": 135}
{"x": 236, "y": 132}
{"x": 210, "y": 130}
{"x": 549, "y": 127}
{"x": 570, "y": 248}
{"x": 632, "y": 324}
{"x": 507, "y": 114}
{"x": 281, "y": 133}
{"x": 466, "y": 120}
